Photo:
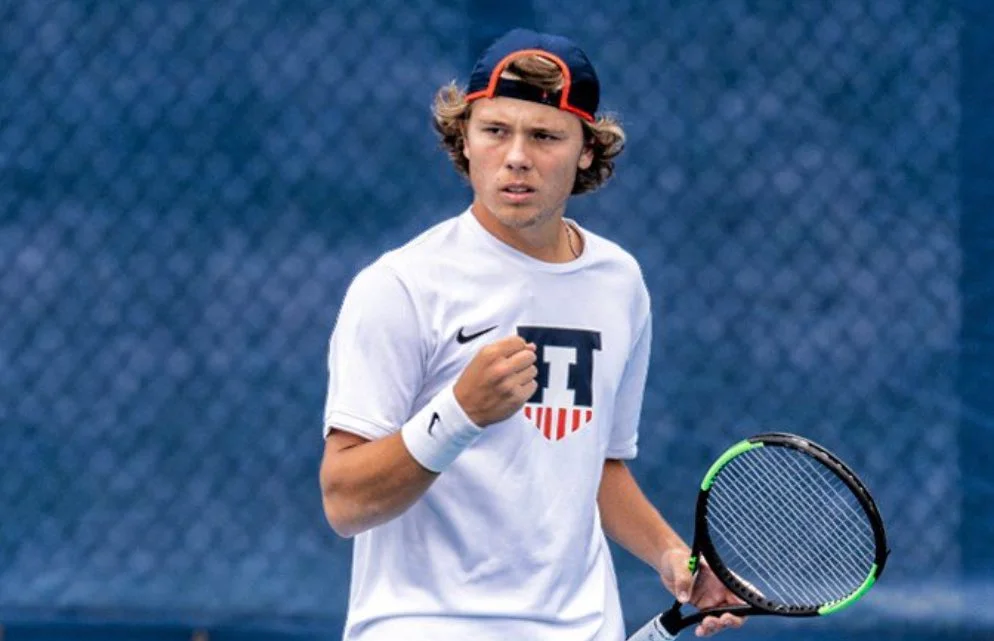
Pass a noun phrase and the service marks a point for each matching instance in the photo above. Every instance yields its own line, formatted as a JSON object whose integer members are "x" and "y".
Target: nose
{"x": 517, "y": 157}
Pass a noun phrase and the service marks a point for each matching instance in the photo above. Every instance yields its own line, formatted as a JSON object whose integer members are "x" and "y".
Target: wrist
{"x": 673, "y": 552}
{"x": 439, "y": 432}
{"x": 459, "y": 396}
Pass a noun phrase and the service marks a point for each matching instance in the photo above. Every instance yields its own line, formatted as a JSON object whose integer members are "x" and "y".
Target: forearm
{"x": 367, "y": 483}
{"x": 630, "y": 520}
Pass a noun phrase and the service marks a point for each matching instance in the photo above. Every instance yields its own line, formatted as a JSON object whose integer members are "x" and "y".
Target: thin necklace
{"x": 569, "y": 240}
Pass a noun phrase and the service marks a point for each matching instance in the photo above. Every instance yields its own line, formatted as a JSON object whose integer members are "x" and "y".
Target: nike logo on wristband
{"x": 465, "y": 338}
{"x": 434, "y": 419}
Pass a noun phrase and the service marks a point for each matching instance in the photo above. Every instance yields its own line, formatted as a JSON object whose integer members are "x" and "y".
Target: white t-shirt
{"x": 507, "y": 543}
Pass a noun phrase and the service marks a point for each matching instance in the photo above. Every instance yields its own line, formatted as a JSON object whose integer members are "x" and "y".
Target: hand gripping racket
{"x": 787, "y": 527}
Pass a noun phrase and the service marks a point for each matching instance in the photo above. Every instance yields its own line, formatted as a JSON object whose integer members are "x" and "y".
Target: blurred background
{"x": 187, "y": 188}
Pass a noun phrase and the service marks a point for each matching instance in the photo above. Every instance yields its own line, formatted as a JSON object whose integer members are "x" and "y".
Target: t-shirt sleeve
{"x": 628, "y": 405}
{"x": 375, "y": 357}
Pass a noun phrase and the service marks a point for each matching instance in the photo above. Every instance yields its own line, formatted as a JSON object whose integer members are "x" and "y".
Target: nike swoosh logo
{"x": 434, "y": 419}
{"x": 465, "y": 338}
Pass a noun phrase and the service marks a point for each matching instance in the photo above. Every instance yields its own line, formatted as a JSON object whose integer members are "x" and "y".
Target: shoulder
{"x": 442, "y": 238}
{"x": 610, "y": 255}
{"x": 405, "y": 271}
{"x": 622, "y": 269}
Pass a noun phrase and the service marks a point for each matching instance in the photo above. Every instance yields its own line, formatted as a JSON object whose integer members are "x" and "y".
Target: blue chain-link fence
{"x": 186, "y": 190}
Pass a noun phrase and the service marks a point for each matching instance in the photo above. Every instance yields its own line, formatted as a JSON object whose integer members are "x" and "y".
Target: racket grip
{"x": 653, "y": 631}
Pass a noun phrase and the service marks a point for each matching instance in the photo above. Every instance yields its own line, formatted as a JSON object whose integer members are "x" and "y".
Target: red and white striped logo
{"x": 556, "y": 423}
{"x": 563, "y": 401}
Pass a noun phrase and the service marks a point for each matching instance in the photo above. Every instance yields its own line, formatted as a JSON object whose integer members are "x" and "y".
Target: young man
{"x": 485, "y": 384}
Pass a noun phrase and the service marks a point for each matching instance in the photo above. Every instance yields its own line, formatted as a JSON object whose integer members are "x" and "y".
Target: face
{"x": 523, "y": 158}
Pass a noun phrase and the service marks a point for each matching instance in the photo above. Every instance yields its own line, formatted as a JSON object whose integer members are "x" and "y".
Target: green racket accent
{"x": 835, "y": 606}
{"x": 730, "y": 453}
{"x": 692, "y": 564}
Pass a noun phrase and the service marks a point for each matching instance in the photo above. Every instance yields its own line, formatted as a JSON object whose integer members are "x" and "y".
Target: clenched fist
{"x": 498, "y": 381}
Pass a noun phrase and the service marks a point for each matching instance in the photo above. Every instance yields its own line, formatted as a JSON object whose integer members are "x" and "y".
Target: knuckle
{"x": 510, "y": 344}
{"x": 485, "y": 354}
{"x": 499, "y": 371}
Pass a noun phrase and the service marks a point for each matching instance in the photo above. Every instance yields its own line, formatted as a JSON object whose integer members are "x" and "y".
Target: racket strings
{"x": 785, "y": 523}
{"x": 836, "y": 501}
{"x": 814, "y": 492}
{"x": 837, "y": 494}
{"x": 752, "y": 560}
{"x": 795, "y": 525}
{"x": 824, "y": 511}
{"x": 789, "y": 578}
{"x": 765, "y": 564}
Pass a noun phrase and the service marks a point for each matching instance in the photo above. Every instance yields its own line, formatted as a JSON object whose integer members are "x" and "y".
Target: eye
{"x": 544, "y": 136}
{"x": 493, "y": 130}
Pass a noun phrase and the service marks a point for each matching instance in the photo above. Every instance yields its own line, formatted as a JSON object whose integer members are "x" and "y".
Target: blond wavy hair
{"x": 604, "y": 137}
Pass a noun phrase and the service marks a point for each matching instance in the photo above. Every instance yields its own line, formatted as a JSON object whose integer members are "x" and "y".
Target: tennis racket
{"x": 787, "y": 527}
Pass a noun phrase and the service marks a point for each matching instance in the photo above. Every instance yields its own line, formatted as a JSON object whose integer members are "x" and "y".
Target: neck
{"x": 549, "y": 240}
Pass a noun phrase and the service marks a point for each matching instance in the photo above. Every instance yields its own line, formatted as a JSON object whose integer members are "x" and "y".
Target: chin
{"x": 518, "y": 221}
{"x": 518, "y": 217}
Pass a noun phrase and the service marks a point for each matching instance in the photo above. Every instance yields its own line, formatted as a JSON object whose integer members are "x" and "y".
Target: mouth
{"x": 517, "y": 192}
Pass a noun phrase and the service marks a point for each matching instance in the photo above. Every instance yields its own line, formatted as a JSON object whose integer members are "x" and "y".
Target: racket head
{"x": 788, "y": 527}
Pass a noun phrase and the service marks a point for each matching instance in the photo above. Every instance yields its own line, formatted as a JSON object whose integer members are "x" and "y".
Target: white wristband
{"x": 439, "y": 432}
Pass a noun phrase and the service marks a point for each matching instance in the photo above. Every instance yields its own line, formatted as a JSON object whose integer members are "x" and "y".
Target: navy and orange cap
{"x": 581, "y": 90}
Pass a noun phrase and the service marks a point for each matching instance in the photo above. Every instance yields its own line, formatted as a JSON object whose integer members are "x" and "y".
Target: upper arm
{"x": 335, "y": 444}
{"x": 339, "y": 440}
{"x": 376, "y": 357}
{"x": 612, "y": 467}
{"x": 631, "y": 389}
{"x": 623, "y": 443}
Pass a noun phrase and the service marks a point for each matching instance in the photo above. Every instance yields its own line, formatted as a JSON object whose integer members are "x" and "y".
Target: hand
{"x": 498, "y": 381}
{"x": 702, "y": 590}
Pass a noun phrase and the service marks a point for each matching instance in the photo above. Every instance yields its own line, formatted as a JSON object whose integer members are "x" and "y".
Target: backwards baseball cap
{"x": 581, "y": 90}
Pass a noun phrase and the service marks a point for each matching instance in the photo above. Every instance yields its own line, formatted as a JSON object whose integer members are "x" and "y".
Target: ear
{"x": 586, "y": 157}
{"x": 464, "y": 125}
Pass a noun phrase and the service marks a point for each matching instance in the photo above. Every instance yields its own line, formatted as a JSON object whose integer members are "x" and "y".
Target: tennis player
{"x": 485, "y": 385}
